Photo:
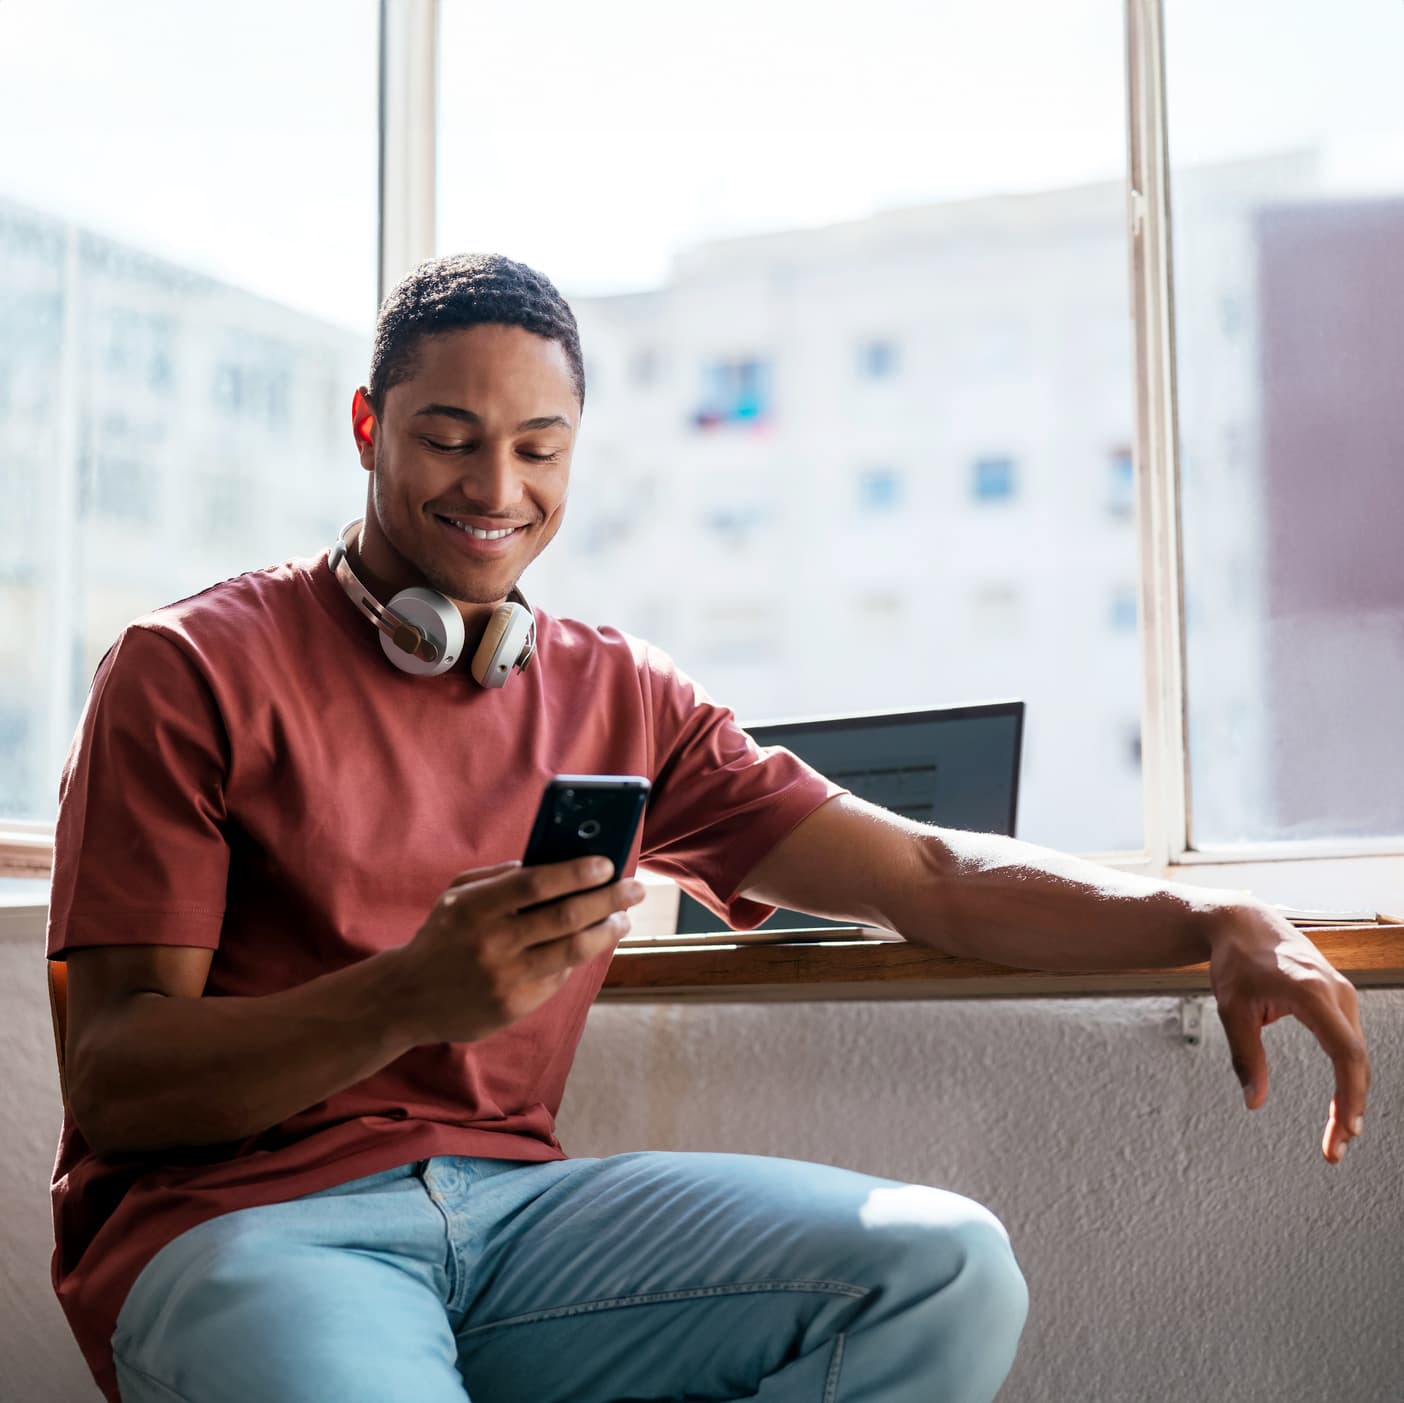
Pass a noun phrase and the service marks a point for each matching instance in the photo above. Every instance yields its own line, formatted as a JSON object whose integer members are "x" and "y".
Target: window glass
{"x": 1287, "y": 142}
{"x": 864, "y": 263}
{"x": 187, "y": 289}
{"x": 994, "y": 479}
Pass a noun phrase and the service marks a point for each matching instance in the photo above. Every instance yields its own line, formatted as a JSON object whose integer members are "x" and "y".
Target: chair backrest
{"x": 58, "y": 1011}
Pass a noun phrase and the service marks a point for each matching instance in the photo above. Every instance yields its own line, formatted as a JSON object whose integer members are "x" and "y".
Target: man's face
{"x": 478, "y": 441}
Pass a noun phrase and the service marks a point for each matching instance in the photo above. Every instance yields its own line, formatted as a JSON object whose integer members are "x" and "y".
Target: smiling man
{"x": 320, "y": 1018}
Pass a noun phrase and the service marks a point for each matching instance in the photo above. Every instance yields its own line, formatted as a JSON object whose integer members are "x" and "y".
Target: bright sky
{"x": 592, "y": 138}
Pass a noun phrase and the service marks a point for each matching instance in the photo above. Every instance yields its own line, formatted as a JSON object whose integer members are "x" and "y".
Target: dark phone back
{"x": 582, "y": 815}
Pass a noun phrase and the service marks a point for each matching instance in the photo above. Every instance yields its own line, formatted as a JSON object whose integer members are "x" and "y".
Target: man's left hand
{"x": 1262, "y": 968}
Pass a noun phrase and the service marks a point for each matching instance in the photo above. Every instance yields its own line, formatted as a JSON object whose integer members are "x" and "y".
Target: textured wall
{"x": 39, "y": 1363}
{"x": 1178, "y": 1249}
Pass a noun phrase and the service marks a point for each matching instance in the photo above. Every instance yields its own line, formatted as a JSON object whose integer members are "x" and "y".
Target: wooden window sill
{"x": 1369, "y": 956}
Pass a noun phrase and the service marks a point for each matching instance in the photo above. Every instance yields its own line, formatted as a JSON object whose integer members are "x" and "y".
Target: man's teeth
{"x": 474, "y": 531}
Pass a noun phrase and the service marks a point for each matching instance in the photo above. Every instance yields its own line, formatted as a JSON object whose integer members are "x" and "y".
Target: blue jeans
{"x": 646, "y": 1276}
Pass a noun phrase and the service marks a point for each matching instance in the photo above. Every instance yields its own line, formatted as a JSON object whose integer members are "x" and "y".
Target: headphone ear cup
{"x": 501, "y": 648}
{"x": 437, "y": 617}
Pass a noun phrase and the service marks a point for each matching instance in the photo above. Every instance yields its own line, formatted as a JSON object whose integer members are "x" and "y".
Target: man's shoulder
{"x": 570, "y": 642}
{"x": 569, "y": 646}
{"x": 236, "y": 610}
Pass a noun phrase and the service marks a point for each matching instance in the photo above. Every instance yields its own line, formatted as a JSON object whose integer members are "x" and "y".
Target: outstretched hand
{"x": 1261, "y": 969}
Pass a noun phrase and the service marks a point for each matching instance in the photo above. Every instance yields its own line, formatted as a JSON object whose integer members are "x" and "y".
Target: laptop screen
{"x": 957, "y": 767}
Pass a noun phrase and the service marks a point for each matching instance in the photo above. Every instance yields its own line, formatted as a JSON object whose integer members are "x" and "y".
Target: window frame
{"x": 1346, "y": 872}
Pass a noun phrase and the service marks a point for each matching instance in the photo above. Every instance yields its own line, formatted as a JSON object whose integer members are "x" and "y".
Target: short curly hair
{"x": 463, "y": 290}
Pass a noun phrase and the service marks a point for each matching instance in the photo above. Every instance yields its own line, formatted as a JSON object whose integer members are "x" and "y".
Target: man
{"x": 317, "y": 1041}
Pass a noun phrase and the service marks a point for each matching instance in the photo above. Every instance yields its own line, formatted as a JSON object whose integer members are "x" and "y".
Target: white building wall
{"x": 1011, "y": 324}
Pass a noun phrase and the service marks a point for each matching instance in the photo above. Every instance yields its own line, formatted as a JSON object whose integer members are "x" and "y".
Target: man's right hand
{"x": 481, "y": 960}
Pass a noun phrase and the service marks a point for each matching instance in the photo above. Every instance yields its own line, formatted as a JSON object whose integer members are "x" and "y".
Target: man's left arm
{"x": 994, "y": 898}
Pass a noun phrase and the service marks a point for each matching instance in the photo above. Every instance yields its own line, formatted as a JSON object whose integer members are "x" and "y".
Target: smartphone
{"x": 582, "y": 815}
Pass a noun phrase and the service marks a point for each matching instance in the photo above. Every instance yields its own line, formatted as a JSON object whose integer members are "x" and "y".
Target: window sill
{"x": 1370, "y": 957}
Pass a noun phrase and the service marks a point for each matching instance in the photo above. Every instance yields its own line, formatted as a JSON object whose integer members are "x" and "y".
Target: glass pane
{"x": 855, "y": 323}
{"x": 187, "y": 289}
{"x": 1287, "y": 137}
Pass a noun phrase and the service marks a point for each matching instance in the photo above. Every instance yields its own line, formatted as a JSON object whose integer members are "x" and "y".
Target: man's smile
{"x": 479, "y": 536}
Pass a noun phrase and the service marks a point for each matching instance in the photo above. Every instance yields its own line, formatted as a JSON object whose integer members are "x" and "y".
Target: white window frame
{"x": 1338, "y": 873}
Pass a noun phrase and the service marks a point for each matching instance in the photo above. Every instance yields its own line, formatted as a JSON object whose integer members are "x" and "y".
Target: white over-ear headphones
{"x": 421, "y": 630}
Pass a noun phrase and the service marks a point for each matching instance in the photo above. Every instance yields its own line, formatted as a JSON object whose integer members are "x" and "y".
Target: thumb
{"x": 1244, "y": 1029}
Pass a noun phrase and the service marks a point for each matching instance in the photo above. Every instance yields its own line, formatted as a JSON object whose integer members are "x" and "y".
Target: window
{"x": 1123, "y": 609}
{"x": 851, "y": 315}
{"x": 1121, "y": 485}
{"x": 1288, "y": 196}
{"x": 993, "y": 480}
{"x": 736, "y": 521}
{"x": 880, "y": 490}
{"x": 1007, "y": 257}
{"x": 877, "y": 360}
{"x": 181, "y": 272}
{"x": 733, "y": 392}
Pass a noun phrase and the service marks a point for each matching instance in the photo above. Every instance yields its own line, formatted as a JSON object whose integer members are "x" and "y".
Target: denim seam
{"x": 832, "y": 1378}
{"x": 456, "y": 1277}
{"x": 689, "y": 1293}
{"x": 119, "y": 1358}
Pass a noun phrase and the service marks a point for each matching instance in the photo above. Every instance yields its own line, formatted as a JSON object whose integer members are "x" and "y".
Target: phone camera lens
{"x": 589, "y": 829}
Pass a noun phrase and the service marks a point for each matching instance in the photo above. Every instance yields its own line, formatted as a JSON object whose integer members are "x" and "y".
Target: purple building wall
{"x": 1331, "y": 343}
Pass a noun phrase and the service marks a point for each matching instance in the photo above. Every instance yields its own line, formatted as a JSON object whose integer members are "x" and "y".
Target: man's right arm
{"x": 151, "y": 1064}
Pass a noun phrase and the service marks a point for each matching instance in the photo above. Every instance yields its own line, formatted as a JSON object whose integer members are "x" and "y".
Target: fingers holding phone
{"x": 501, "y": 940}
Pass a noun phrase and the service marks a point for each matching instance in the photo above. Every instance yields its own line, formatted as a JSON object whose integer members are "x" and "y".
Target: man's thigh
{"x": 337, "y": 1296}
{"x": 671, "y": 1275}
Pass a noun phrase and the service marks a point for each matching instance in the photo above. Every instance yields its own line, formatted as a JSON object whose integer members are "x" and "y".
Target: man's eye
{"x": 542, "y": 457}
{"x": 445, "y": 447}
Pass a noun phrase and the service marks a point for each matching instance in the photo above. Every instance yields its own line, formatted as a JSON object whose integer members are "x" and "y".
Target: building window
{"x": 1123, "y": 609}
{"x": 877, "y": 360}
{"x": 994, "y": 479}
{"x": 880, "y": 490}
{"x": 734, "y": 392}
{"x": 737, "y": 522}
{"x": 1121, "y": 485}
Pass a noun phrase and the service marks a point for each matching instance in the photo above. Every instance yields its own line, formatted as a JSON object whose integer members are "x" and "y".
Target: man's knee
{"x": 940, "y": 1244}
{"x": 999, "y": 1295}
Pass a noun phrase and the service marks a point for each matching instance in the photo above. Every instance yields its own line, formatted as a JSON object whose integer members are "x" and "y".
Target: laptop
{"x": 956, "y": 766}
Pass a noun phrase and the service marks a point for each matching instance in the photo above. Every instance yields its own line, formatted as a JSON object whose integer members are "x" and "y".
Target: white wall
{"x": 1178, "y": 1248}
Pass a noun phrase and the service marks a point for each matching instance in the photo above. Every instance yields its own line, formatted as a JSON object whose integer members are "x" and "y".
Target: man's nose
{"x": 490, "y": 481}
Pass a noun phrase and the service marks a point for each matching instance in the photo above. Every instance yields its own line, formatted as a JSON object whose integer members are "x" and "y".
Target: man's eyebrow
{"x": 466, "y": 416}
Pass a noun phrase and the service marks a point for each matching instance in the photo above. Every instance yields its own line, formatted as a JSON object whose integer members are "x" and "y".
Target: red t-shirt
{"x": 251, "y": 774}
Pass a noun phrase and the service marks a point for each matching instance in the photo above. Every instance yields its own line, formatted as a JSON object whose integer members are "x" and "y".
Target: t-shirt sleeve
{"x": 140, "y": 855}
{"x": 719, "y": 802}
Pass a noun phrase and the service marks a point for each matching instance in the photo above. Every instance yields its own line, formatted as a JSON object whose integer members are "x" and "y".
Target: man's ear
{"x": 363, "y": 425}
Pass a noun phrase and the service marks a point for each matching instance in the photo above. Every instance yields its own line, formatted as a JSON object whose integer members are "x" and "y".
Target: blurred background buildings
{"x": 877, "y": 465}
